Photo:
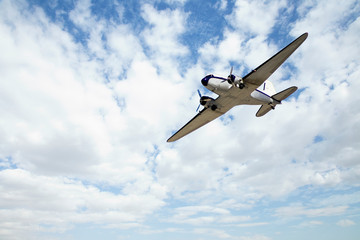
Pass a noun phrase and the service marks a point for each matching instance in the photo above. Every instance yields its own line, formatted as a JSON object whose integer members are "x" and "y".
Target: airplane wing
{"x": 264, "y": 71}
{"x": 202, "y": 118}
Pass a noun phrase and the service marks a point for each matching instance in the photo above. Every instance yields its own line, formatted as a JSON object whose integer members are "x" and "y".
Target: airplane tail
{"x": 268, "y": 88}
{"x": 284, "y": 94}
{"x": 277, "y": 98}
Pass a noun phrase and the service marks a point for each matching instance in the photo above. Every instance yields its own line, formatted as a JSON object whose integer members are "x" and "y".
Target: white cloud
{"x": 181, "y": 2}
{"x": 338, "y": 199}
{"x": 212, "y": 232}
{"x": 255, "y": 17}
{"x": 222, "y": 5}
{"x": 256, "y": 224}
{"x": 91, "y": 148}
{"x": 81, "y": 15}
{"x": 61, "y": 122}
{"x": 255, "y": 237}
{"x": 345, "y": 223}
{"x": 30, "y": 201}
{"x": 296, "y": 211}
{"x": 205, "y": 215}
{"x": 313, "y": 223}
{"x": 162, "y": 37}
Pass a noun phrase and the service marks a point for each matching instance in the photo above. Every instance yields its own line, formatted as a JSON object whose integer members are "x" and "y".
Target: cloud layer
{"x": 87, "y": 101}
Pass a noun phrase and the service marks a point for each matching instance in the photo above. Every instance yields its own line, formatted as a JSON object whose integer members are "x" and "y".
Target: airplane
{"x": 252, "y": 89}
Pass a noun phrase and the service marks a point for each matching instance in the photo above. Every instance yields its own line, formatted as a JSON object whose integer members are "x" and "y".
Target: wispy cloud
{"x": 295, "y": 211}
{"x": 255, "y": 224}
{"x": 345, "y": 223}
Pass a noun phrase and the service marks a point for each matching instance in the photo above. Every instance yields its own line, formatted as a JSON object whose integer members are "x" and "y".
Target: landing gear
{"x": 213, "y": 107}
{"x": 241, "y": 84}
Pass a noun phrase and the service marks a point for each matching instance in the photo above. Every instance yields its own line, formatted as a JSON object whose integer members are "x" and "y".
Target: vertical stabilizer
{"x": 268, "y": 88}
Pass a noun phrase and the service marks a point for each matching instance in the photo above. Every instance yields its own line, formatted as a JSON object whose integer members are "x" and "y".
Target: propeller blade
{"x": 198, "y": 108}
{"x": 231, "y": 70}
{"x": 200, "y": 99}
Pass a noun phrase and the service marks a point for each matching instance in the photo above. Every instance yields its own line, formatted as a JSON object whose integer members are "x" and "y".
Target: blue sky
{"x": 91, "y": 90}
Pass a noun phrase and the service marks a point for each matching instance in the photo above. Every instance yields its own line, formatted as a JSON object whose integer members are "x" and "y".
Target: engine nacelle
{"x": 214, "y": 83}
{"x": 235, "y": 80}
{"x": 238, "y": 80}
{"x": 207, "y": 101}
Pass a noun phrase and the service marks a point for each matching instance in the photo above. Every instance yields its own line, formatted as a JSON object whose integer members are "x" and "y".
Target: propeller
{"x": 203, "y": 100}
{"x": 231, "y": 71}
{"x": 230, "y": 77}
{"x": 200, "y": 99}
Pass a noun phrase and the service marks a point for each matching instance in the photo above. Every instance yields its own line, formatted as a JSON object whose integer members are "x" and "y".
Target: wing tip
{"x": 172, "y": 138}
{"x": 304, "y": 36}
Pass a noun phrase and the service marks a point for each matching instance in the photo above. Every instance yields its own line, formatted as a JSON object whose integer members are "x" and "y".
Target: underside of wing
{"x": 264, "y": 109}
{"x": 264, "y": 71}
{"x": 284, "y": 94}
{"x": 202, "y": 118}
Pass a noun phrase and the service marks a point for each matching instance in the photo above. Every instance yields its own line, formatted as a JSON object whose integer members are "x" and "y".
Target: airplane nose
{"x": 205, "y": 81}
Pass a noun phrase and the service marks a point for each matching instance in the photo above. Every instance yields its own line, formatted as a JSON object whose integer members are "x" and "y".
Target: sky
{"x": 91, "y": 90}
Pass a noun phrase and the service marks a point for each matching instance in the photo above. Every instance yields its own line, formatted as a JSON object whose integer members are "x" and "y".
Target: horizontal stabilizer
{"x": 264, "y": 109}
{"x": 284, "y": 94}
